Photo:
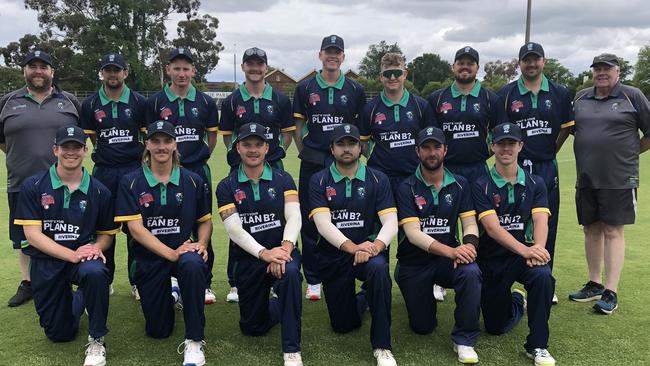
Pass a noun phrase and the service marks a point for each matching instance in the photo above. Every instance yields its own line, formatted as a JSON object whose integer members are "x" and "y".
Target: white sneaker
{"x": 193, "y": 352}
{"x": 134, "y": 292}
{"x": 523, "y": 294}
{"x": 439, "y": 293}
{"x": 176, "y": 293}
{"x": 384, "y": 357}
{"x": 95, "y": 352}
{"x": 555, "y": 300}
{"x": 541, "y": 357}
{"x": 292, "y": 359}
{"x": 111, "y": 290}
{"x": 232, "y": 296}
{"x": 466, "y": 354}
{"x": 313, "y": 292}
{"x": 210, "y": 297}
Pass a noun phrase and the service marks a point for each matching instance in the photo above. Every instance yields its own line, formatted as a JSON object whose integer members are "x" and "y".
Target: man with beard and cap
{"x": 320, "y": 104}
{"x": 29, "y": 119}
{"x": 607, "y": 147}
{"x": 543, "y": 110}
{"x": 113, "y": 117}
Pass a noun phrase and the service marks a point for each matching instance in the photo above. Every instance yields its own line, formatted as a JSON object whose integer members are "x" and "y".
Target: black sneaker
{"x": 590, "y": 292}
{"x": 23, "y": 294}
{"x": 607, "y": 303}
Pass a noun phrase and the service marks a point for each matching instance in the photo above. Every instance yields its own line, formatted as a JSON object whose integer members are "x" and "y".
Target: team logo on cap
{"x": 195, "y": 111}
{"x": 179, "y": 198}
{"x": 344, "y": 99}
{"x": 449, "y": 199}
{"x": 70, "y": 131}
{"x": 253, "y": 128}
{"x": 314, "y": 98}
{"x": 333, "y": 39}
{"x": 165, "y": 113}
{"x": 429, "y": 131}
{"x": 361, "y": 191}
{"x": 477, "y": 107}
{"x": 516, "y": 105}
{"x": 271, "y": 193}
{"x": 330, "y": 192}
{"x": 409, "y": 115}
{"x": 47, "y": 200}
{"x": 181, "y": 50}
{"x": 269, "y": 108}
{"x": 506, "y": 128}
{"x": 100, "y": 115}
{"x": 111, "y": 58}
{"x": 82, "y": 205}
{"x": 444, "y": 107}
{"x": 346, "y": 128}
{"x": 241, "y": 110}
{"x": 37, "y": 53}
{"x": 466, "y": 49}
{"x": 379, "y": 118}
{"x": 529, "y": 46}
{"x": 159, "y": 125}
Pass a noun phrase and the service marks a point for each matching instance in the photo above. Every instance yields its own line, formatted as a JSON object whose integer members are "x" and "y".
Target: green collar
{"x": 266, "y": 94}
{"x": 360, "y": 174}
{"x": 447, "y": 179}
{"x": 455, "y": 92}
{"x": 191, "y": 94}
{"x": 402, "y": 102}
{"x": 522, "y": 87}
{"x": 267, "y": 174}
{"x": 174, "y": 178}
{"x": 323, "y": 84}
{"x": 57, "y": 183}
{"x": 124, "y": 98}
{"x": 500, "y": 181}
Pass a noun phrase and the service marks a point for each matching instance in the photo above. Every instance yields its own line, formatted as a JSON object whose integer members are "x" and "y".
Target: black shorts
{"x": 611, "y": 206}
{"x": 16, "y": 234}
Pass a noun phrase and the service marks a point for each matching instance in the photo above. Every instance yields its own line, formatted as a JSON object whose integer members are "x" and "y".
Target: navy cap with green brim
{"x": 251, "y": 129}
{"x": 431, "y": 134}
{"x": 163, "y": 127}
{"x": 345, "y": 130}
{"x": 606, "y": 58}
{"x": 506, "y": 131}
{"x": 70, "y": 133}
{"x": 38, "y": 55}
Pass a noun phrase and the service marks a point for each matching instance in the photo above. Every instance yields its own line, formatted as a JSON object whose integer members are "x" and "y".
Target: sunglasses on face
{"x": 392, "y": 73}
{"x": 255, "y": 51}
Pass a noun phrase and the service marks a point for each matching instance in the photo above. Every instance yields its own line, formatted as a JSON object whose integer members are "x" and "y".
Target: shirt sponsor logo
{"x": 465, "y": 135}
{"x": 184, "y": 134}
{"x": 66, "y": 237}
{"x": 62, "y": 230}
{"x": 436, "y": 230}
{"x": 159, "y": 225}
{"x": 166, "y": 230}
{"x": 347, "y": 219}
{"x": 398, "y": 139}
{"x": 533, "y": 126}
{"x": 265, "y": 226}
{"x": 327, "y": 119}
{"x": 511, "y": 223}
{"x": 435, "y": 225}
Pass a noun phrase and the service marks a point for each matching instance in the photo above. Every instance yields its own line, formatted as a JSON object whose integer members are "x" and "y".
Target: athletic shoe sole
{"x": 585, "y": 299}
{"x": 532, "y": 357}
{"x": 604, "y": 311}
{"x": 465, "y": 360}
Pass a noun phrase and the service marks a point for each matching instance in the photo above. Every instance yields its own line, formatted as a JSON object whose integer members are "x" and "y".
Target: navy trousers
{"x": 203, "y": 170}
{"x": 308, "y": 233}
{"x": 415, "y": 282}
{"x": 58, "y": 307}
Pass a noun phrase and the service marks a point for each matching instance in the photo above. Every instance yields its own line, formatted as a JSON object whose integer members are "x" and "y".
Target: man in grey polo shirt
{"x": 608, "y": 118}
{"x": 29, "y": 119}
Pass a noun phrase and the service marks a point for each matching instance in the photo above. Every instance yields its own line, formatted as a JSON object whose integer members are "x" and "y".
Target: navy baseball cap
{"x": 431, "y": 133}
{"x": 70, "y": 133}
{"x": 467, "y": 51}
{"x": 255, "y": 52}
{"x": 605, "y": 58}
{"x": 531, "y": 47}
{"x": 251, "y": 129}
{"x": 332, "y": 41}
{"x": 345, "y": 130}
{"x": 161, "y": 127}
{"x": 180, "y": 52}
{"x": 506, "y": 131}
{"x": 113, "y": 59}
{"x": 38, "y": 55}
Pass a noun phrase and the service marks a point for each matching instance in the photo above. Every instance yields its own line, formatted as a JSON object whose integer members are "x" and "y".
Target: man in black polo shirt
{"x": 29, "y": 119}
{"x": 607, "y": 147}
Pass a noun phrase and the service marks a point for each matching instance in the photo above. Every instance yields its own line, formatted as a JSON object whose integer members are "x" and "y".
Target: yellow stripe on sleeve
{"x": 486, "y": 213}
{"x": 128, "y": 218}
{"x": 463, "y": 215}
{"x": 205, "y": 218}
{"x": 541, "y": 209}
{"x": 386, "y": 210}
{"x": 317, "y": 210}
{"x": 406, "y": 220}
{"x": 27, "y": 222}
{"x": 226, "y": 207}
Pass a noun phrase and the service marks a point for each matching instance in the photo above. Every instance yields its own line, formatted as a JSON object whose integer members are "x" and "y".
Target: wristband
{"x": 471, "y": 239}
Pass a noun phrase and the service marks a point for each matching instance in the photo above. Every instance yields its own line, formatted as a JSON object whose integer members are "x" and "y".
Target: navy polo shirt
{"x": 323, "y": 107}
{"x": 392, "y": 129}
{"x": 437, "y": 211}
{"x": 260, "y": 205}
{"x": 71, "y": 219}
{"x": 540, "y": 116}
{"x": 169, "y": 211}
{"x": 272, "y": 110}
{"x": 117, "y": 125}
{"x": 354, "y": 204}
{"x": 192, "y": 116}
{"x": 466, "y": 121}
{"x": 513, "y": 204}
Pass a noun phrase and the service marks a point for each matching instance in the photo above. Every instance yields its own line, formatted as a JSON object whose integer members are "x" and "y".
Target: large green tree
{"x": 555, "y": 71}
{"x": 78, "y": 33}
{"x": 429, "y": 67}
{"x": 370, "y": 65}
{"x": 642, "y": 70}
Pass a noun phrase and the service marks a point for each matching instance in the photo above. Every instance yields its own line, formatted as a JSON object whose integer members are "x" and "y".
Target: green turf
{"x": 578, "y": 336}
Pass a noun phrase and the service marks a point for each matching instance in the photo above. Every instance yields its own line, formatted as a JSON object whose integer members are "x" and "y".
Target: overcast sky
{"x": 291, "y": 31}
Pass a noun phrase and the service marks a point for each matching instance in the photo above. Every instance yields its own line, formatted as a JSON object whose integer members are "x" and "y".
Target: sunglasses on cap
{"x": 255, "y": 51}
{"x": 392, "y": 73}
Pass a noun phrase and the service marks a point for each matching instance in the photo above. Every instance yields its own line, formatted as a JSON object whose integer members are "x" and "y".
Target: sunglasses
{"x": 255, "y": 51}
{"x": 392, "y": 73}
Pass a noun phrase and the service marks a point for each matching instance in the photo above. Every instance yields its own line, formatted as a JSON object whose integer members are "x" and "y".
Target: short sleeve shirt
{"x": 540, "y": 116}
{"x": 437, "y": 211}
{"x": 71, "y": 219}
{"x": 354, "y": 204}
{"x": 514, "y": 205}
{"x": 466, "y": 121}
{"x": 259, "y": 205}
{"x": 117, "y": 126}
{"x": 169, "y": 211}
{"x": 193, "y": 116}
{"x": 606, "y": 143}
{"x": 272, "y": 110}
{"x": 391, "y": 129}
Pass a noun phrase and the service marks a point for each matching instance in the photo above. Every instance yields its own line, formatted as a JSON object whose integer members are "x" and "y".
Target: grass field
{"x": 578, "y": 336}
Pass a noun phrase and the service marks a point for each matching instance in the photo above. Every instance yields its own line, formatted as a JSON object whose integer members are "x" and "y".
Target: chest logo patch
{"x": 445, "y": 107}
{"x": 548, "y": 104}
{"x": 145, "y": 199}
{"x": 195, "y": 111}
{"x": 47, "y": 201}
{"x": 361, "y": 192}
{"x": 271, "y": 192}
{"x": 420, "y": 202}
{"x": 269, "y": 108}
{"x": 449, "y": 199}
{"x": 82, "y": 205}
{"x": 409, "y": 115}
{"x": 314, "y": 98}
{"x": 165, "y": 113}
{"x": 496, "y": 198}
{"x": 330, "y": 192}
{"x": 477, "y": 107}
{"x": 516, "y": 105}
{"x": 241, "y": 110}
{"x": 60, "y": 105}
{"x": 128, "y": 113}
{"x": 100, "y": 115}
{"x": 240, "y": 196}
{"x": 379, "y": 118}
{"x": 179, "y": 197}
{"x": 344, "y": 99}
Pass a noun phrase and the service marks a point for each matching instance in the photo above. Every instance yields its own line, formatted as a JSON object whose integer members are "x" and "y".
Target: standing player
{"x": 255, "y": 101}
{"x": 67, "y": 220}
{"x": 162, "y": 203}
{"x": 113, "y": 117}
{"x": 194, "y": 116}
{"x": 430, "y": 202}
{"x": 543, "y": 110}
{"x": 349, "y": 202}
{"x": 29, "y": 119}
{"x": 510, "y": 201}
{"x": 259, "y": 208}
{"x": 321, "y": 103}
{"x": 391, "y": 121}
